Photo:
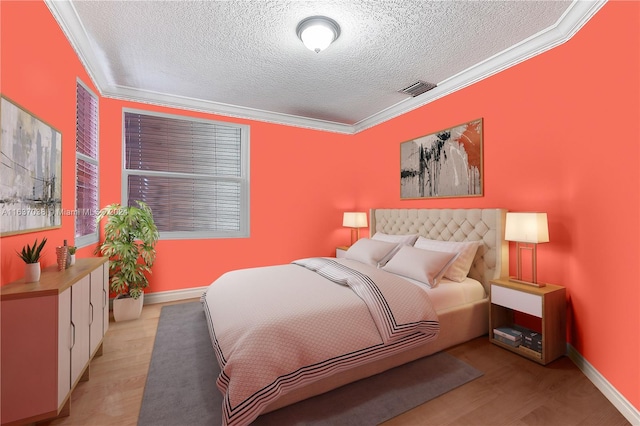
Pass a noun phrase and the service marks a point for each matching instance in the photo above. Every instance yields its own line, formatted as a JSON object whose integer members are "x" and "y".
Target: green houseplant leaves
{"x": 31, "y": 254}
{"x": 130, "y": 236}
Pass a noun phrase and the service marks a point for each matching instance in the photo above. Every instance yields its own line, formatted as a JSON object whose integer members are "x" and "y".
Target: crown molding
{"x": 566, "y": 27}
{"x": 574, "y": 18}
{"x": 65, "y": 15}
{"x": 227, "y": 110}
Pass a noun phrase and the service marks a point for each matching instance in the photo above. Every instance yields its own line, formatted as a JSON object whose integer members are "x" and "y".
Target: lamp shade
{"x": 527, "y": 228}
{"x": 354, "y": 219}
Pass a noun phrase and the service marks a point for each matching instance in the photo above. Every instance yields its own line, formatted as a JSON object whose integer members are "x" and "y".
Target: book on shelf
{"x": 528, "y": 333}
{"x": 508, "y": 333}
{"x": 506, "y": 341}
{"x": 530, "y": 339}
{"x": 536, "y": 346}
{"x": 533, "y": 339}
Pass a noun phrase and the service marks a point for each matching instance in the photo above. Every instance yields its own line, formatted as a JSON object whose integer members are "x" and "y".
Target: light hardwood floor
{"x": 512, "y": 391}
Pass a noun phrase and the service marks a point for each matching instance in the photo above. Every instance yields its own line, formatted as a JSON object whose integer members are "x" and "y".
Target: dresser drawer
{"x": 517, "y": 300}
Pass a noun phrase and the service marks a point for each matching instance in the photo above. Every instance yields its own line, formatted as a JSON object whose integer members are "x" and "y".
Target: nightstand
{"x": 341, "y": 251}
{"x": 548, "y": 304}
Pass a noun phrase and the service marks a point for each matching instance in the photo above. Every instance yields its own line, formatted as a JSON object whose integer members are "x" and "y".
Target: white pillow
{"x": 426, "y": 266}
{"x": 407, "y": 240}
{"x": 369, "y": 251}
{"x": 459, "y": 269}
{"x": 399, "y": 240}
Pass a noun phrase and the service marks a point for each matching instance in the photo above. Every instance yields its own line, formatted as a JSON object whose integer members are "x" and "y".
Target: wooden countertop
{"x": 52, "y": 281}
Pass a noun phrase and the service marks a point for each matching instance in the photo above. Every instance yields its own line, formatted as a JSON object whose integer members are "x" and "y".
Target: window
{"x": 193, "y": 173}
{"x": 86, "y": 166}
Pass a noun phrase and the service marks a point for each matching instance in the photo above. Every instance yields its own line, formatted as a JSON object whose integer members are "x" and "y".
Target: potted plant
{"x": 130, "y": 236}
{"x": 31, "y": 257}
{"x": 72, "y": 254}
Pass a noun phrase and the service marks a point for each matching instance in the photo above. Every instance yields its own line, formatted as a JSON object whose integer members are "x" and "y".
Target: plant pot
{"x": 73, "y": 259}
{"x": 127, "y": 308}
{"x": 32, "y": 272}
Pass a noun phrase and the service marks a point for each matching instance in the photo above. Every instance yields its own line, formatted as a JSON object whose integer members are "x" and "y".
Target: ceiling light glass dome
{"x": 318, "y": 32}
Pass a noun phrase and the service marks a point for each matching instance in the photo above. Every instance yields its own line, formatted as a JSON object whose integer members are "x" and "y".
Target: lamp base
{"x": 355, "y": 235}
{"x": 515, "y": 280}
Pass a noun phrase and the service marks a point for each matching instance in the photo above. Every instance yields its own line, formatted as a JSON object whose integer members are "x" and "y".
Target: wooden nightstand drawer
{"x": 517, "y": 300}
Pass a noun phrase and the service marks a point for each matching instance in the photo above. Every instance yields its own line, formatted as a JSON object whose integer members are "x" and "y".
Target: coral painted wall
{"x": 296, "y": 205}
{"x": 561, "y": 135}
{"x": 38, "y": 72}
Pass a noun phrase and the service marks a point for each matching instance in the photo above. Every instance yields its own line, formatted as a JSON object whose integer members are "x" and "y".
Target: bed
{"x": 377, "y": 310}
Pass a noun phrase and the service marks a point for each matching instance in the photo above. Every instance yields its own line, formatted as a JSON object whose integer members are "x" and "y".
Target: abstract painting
{"x": 447, "y": 163}
{"x": 30, "y": 171}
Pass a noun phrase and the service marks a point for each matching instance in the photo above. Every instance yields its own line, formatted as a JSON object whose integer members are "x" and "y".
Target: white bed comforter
{"x": 281, "y": 327}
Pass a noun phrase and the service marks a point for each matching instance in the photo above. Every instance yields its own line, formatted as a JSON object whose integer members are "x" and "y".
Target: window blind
{"x": 191, "y": 173}
{"x": 86, "y": 165}
{"x": 86, "y": 123}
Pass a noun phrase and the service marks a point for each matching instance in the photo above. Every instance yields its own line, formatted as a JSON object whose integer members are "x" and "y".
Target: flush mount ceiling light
{"x": 318, "y": 32}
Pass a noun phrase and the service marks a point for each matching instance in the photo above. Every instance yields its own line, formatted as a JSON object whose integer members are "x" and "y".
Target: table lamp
{"x": 355, "y": 221}
{"x": 527, "y": 230}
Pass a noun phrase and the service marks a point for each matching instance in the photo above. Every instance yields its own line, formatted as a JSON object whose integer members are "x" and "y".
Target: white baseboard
{"x": 618, "y": 400}
{"x": 173, "y": 295}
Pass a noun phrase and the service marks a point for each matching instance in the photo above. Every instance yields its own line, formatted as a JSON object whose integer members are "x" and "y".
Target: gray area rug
{"x": 181, "y": 383}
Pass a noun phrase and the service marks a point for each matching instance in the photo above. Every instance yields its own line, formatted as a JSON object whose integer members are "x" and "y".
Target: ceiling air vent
{"x": 417, "y": 88}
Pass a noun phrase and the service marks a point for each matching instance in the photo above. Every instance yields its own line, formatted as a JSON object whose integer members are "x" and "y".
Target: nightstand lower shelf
{"x": 522, "y": 350}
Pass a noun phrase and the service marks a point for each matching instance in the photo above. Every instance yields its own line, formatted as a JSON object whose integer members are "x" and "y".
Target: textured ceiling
{"x": 243, "y": 58}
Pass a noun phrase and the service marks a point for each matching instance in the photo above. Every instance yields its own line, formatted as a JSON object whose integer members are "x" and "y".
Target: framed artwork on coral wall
{"x": 30, "y": 172}
{"x": 447, "y": 163}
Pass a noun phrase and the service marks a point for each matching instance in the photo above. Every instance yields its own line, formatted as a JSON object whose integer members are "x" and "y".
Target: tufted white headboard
{"x": 486, "y": 225}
